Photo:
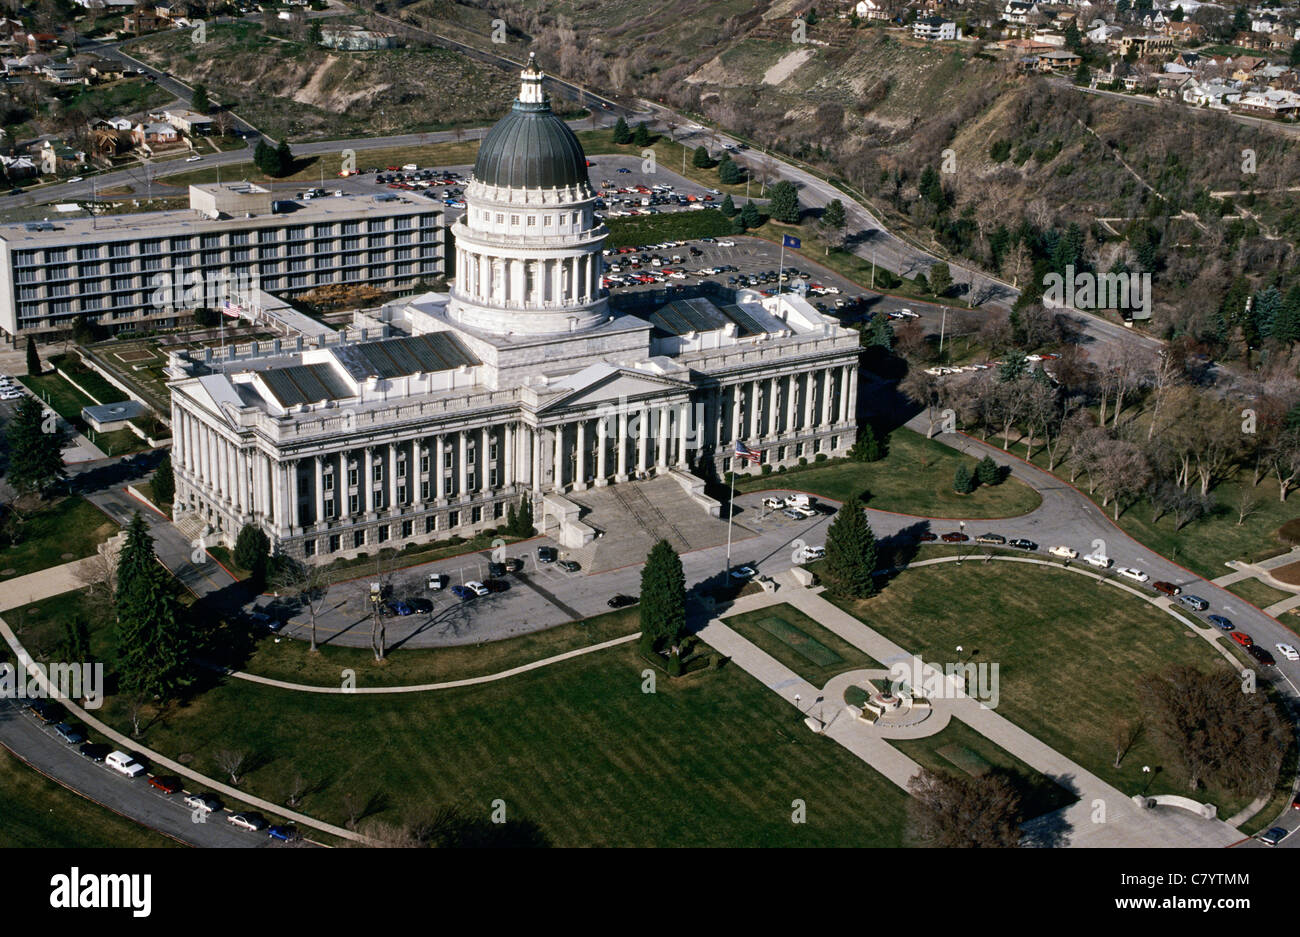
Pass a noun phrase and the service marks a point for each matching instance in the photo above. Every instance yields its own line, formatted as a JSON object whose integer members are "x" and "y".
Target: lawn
{"x": 1257, "y": 593}
{"x": 42, "y": 814}
{"x": 960, "y": 749}
{"x": 714, "y": 759}
{"x": 794, "y": 639}
{"x": 915, "y": 477}
{"x": 1069, "y": 652}
{"x": 67, "y": 401}
{"x": 57, "y": 532}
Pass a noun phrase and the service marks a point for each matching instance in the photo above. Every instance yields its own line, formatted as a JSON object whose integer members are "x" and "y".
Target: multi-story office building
{"x": 118, "y": 270}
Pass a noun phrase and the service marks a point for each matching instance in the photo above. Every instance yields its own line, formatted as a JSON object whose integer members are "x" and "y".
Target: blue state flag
{"x": 788, "y": 241}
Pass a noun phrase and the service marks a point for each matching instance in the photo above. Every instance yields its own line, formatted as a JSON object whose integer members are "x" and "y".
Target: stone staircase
{"x": 191, "y": 526}
{"x": 632, "y": 516}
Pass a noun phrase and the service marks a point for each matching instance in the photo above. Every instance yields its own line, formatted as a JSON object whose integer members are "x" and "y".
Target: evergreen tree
{"x": 1287, "y": 327}
{"x": 253, "y": 552}
{"x": 835, "y": 221}
{"x": 154, "y": 640}
{"x": 200, "y": 102}
{"x": 512, "y": 520}
{"x": 811, "y": 17}
{"x": 264, "y": 157}
{"x": 1012, "y": 368}
{"x": 76, "y": 639}
{"x": 784, "y": 203}
{"x": 663, "y": 597}
{"x": 525, "y": 518}
{"x": 642, "y": 135}
{"x": 931, "y": 188}
{"x": 1240, "y": 21}
{"x": 33, "y": 359}
{"x": 1177, "y": 16}
{"x": 621, "y": 133}
{"x": 878, "y": 334}
{"x": 728, "y": 206}
{"x": 1073, "y": 38}
{"x": 701, "y": 159}
{"x": 921, "y": 284}
{"x": 1266, "y": 308}
{"x": 962, "y": 482}
{"x": 1082, "y": 75}
{"x": 867, "y": 448}
{"x": 135, "y": 558}
{"x": 987, "y": 471}
{"x": 749, "y": 216}
{"x": 940, "y": 278}
{"x": 851, "y": 552}
{"x": 283, "y": 159}
{"x": 728, "y": 172}
{"x": 35, "y": 448}
{"x": 163, "y": 481}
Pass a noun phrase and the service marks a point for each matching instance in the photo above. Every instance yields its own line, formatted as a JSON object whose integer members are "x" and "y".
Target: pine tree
{"x": 252, "y": 552}
{"x": 135, "y": 558}
{"x": 154, "y": 640}
{"x": 283, "y": 159}
{"x": 512, "y": 520}
{"x": 940, "y": 279}
{"x": 962, "y": 482}
{"x": 784, "y": 202}
{"x": 621, "y": 133}
{"x": 851, "y": 553}
{"x": 525, "y": 516}
{"x": 879, "y": 334}
{"x": 701, "y": 159}
{"x": 749, "y": 216}
{"x": 1266, "y": 308}
{"x": 1286, "y": 328}
{"x": 76, "y": 639}
{"x": 663, "y": 597}
{"x": 200, "y": 102}
{"x": 33, "y": 359}
{"x": 834, "y": 220}
{"x": 164, "y": 481}
{"x": 728, "y": 206}
{"x": 867, "y": 447}
{"x": 987, "y": 471}
{"x": 728, "y": 172}
{"x": 35, "y": 448}
{"x": 642, "y": 135}
{"x": 264, "y": 157}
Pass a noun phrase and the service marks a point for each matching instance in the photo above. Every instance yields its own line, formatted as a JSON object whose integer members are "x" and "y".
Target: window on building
{"x": 309, "y": 548}
{"x": 408, "y": 529}
{"x": 358, "y": 539}
{"x": 334, "y": 543}
{"x": 430, "y": 524}
{"x": 354, "y": 504}
{"x": 475, "y": 514}
{"x": 377, "y": 473}
{"x": 329, "y": 509}
{"x": 383, "y": 533}
{"x": 498, "y": 509}
{"x": 401, "y": 468}
{"x": 453, "y": 518}
{"x": 424, "y": 491}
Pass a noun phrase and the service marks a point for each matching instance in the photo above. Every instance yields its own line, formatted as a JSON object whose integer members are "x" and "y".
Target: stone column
{"x": 392, "y": 476}
{"x": 558, "y": 456}
{"x": 661, "y": 458}
{"x": 342, "y": 496}
{"x": 683, "y": 433}
{"x": 828, "y": 400}
{"x": 602, "y": 443}
{"x": 755, "y": 395}
{"x": 483, "y": 475}
{"x": 643, "y": 450}
{"x": 772, "y": 409}
{"x": 846, "y": 402}
{"x": 368, "y": 482}
{"x": 462, "y": 477}
{"x": 809, "y": 401}
{"x": 853, "y": 392}
{"x": 439, "y": 472}
{"x": 535, "y": 459}
{"x": 580, "y": 464}
{"x": 508, "y": 454}
{"x": 791, "y": 385}
{"x": 621, "y": 461}
{"x": 295, "y": 520}
{"x": 735, "y": 412}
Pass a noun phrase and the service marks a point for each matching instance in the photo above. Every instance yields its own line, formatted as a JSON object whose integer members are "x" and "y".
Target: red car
{"x": 167, "y": 785}
{"x": 1242, "y": 638}
{"x": 955, "y": 538}
{"x": 1168, "y": 588}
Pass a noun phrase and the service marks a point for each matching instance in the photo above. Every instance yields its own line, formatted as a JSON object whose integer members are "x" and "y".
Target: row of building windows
{"x": 382, "y": 533}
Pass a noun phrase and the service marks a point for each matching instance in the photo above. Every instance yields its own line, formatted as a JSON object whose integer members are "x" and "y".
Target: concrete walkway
{"x": 45, "y": 583}
{"x": 1102, "y": 817}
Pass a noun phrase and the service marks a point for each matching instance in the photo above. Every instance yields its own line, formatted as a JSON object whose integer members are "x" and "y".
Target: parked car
{"x": 1243, "y": 639}
{"x": 1020, "y": 543}
{"x": 546, "y": 554}
{"x": 69, "y": 734}
{"x": 438, "y": 581}
{"x": 398, "y": 607}
{"x": 1219, "y": 622}
{"x": 774, "y": 504}
{"x": 247, "y": 821}
{"x": 477, "y": 587}
{"x": 997, "y": 539}
{"x": 928, "y": 536}
{"x": 94, "y": 751}
{"x": 794, "y": 514}
{"x": 569, "y": 566}
{"x": 622, "y": 601}
{"x": 208, "y": 803}
{"x": 1064, "y": 552}
{"x": 954, "y": 537}
{"x": 496, "y": 569}
{"x": 461, "y": 592}
{"x": 743, "y": 572}
{"x": 421, "y": 606}
{"x": 1264, "y": 657}
{"x": 1274, "y": 835}
{"x": 166, "y": 784}
{"x": 44, "y": 711}
{"x": 285, "y": 833}
{"x": 1194, "y": 602}
{"x": 814, "y": 553}
{"x": 1128, "y": 572}
{"x": 496, "y": 585}
{"x": 514, "y": 564}
{"x": 123, "y": 763}
{"x": 1288, "y": 651}
{"x": 1168, "y": 588}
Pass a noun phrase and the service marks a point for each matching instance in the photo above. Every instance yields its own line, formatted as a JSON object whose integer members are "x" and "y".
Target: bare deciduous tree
{"x": 231, "y": 761}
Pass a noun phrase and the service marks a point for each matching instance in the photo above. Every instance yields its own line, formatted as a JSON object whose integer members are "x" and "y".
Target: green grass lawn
{"x": 42, "y": 814}
{"x": 714, "y": 759}
{"x": 794, "y": 639}
{"x": 1069, "y": 652}
{"x": 960, "y": 749}
{"x": 67, "y": 402}
{"x": 1257, "y": 593}
{"x": 66, "y": 529}
{"x": 915, "y": 477}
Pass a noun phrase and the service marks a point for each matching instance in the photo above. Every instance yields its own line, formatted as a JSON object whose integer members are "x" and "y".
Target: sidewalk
{"x": 33, "y": 587}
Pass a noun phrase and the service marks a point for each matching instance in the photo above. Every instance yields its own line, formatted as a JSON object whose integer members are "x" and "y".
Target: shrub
{"x": 802, "y": 461}
{"x": 988, "y": 472}
{"x": 963, "y": 483}
{"x": 767, "y": 468}
{"x": 820, "y": 457}
{"x": 1289, "y": 532}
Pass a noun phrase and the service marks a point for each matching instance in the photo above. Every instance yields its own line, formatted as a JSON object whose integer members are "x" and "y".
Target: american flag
{"x": 744, "y": 452}
{"x": 232, "y": 309}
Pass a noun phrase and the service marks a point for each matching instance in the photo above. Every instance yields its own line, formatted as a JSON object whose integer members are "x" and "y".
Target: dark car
{"x": 284, "y": 833}
{"x": 166, "y": 784}
{"x": 569, "y": 566}
{"x": 422, "y": 606}
{"x": 496, "y": 569}
{"x": 1219, "y": 622}
{"x": 514, "y": 564}
{"x": 928, "y": 537}
{"x": 954, "y": 538}
{"x": 1020, "y": 543}
{"x": 69, "y": 734}
{"x": 461, "y": 592}
{"x": 622, "y": 601}
{"x": 1264, "y": 657}
{"x": 1168, "y": 588}
{"x": 400, "y": 608}
{"x": 46, "y": 712}
{"x": 546, "y": 554}
{"x": 95, "y": 751}
{"x": 496, "y": 585}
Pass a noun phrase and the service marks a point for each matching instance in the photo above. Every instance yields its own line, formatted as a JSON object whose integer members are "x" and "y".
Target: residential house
{"x": 1025, "y": 47}
{"x": 1048, "y": 37}
{"x": 1172, "y": 85}
{"x": 1271, "y": 103}
{"x": 1214, "y": 93}
{"x": 41, "y": 42}
{"x": 18, "y": 167}
{"x": 1246, "y": 67}
{"x": 1185, "y": 31}
{"x": 187, "y": 121}
{"x": 1264, "y": 23}
{"x": 139, "y": 22}
{"x": 1155, "y": 20}
{"x": 1145, "y": 46}
{"x": 1059, "y": 60}
{"x": 120, "y": 124}
{"x": 935, "y": 29}
{"x": 62, "y": 73}
{"x": 1099, "y": 32}
{"x": 104, "y": 70}
{"x": 1020, "y": 12}
{"x": 56, "y": 156}
{"x": 871, "y": 10}
{"x": 155, "y": 133}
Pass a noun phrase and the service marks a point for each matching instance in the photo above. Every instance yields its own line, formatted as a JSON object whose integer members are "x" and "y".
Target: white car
{"x": 204, "y": 802}
{"x": 1128, "y": 572}
{"x": 743, "y": 572}
{"x": 437, "y": 581}
{"x": 813, "y": 553}
{"x": 193, "y": 159}
{"x": 1288, "y": 652}
{"x": 477, "y": 587}
{"x": 1065, "y": 552}
{"x": 124, "y": 764}
{"x": 1099, "y": 560}
{"x": 77, "y": 179}
{"x": 774, "y": 504}
{"x": 726, "y": 243}
{"x": 905, "y": 313}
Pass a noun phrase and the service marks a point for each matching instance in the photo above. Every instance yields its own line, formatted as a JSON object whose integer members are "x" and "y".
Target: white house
{"x": 935, "y": 29}
{"x": 871, "y": 10}
{"x": 1019, "y": 11}
{"x": 1215, "y": 93}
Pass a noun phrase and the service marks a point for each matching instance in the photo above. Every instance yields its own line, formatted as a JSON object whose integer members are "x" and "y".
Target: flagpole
{"x": 731, "y": 512}
{"x": 780, "y": 267}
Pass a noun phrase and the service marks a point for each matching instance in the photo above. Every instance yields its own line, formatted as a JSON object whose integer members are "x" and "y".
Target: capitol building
{"x": 521, "y": 382}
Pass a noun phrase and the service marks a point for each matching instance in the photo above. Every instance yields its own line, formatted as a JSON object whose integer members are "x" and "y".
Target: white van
{"x": 774, "y": 504}
{"x": 1097, "y": 560}
{"x": 814, "y": 553}
{"x": 124, "y": 763}
{"x": 798, "y": 501}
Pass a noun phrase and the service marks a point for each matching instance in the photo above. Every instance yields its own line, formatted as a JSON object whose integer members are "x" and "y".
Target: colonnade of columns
{"x": 528, "y": 282}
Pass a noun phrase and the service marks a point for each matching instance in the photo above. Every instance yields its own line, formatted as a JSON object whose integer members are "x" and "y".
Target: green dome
{"x": 531, "y": 148}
